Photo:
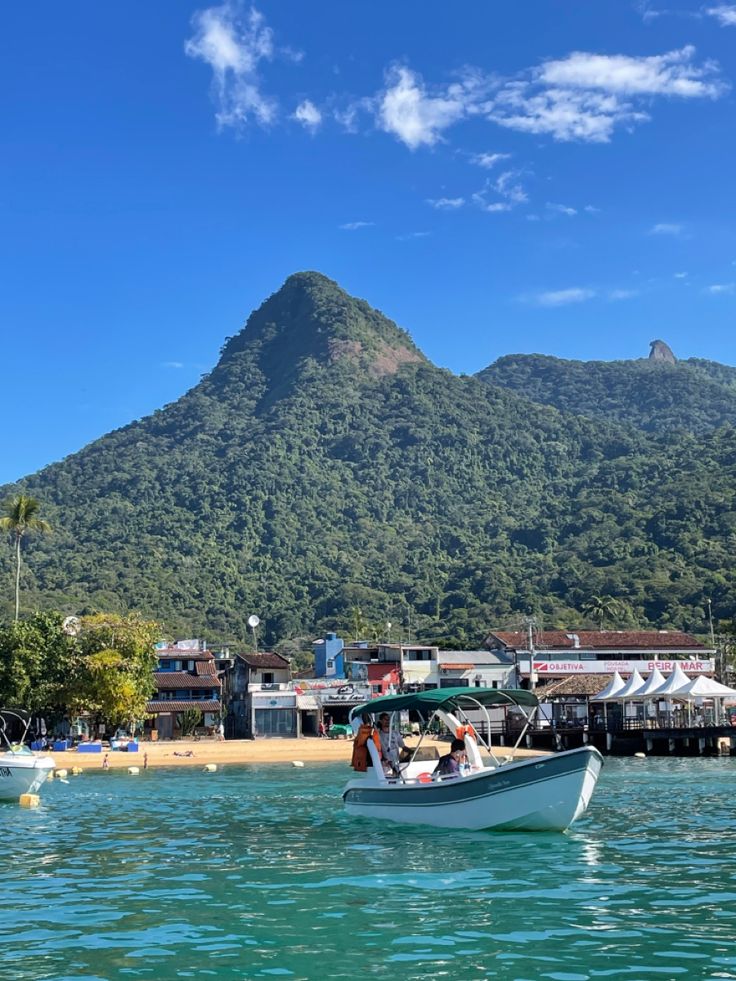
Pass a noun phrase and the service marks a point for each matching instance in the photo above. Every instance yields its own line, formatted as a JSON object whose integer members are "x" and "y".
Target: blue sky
{"x": 497, "y": 177}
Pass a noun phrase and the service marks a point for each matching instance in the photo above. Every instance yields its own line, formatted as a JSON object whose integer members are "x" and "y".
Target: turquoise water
{"x": 255, "y": 872}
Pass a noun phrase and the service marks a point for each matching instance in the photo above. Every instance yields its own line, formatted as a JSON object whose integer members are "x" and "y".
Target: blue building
{"x": 329, "y": 660}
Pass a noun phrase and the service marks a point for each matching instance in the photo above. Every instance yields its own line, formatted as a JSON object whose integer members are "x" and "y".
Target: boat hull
{"x": 539, "y": 794}
{"x": 21, "y": 774}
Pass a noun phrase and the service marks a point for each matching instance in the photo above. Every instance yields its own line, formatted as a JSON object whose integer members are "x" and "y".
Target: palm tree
{"x": 21, "y": 516}
{"x": 602, "y": 608}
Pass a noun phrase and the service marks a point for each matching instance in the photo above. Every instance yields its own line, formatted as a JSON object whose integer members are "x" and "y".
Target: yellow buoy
{"x": 60, "y": 773}
{"x": 210, "y": 767}
{"x": 76, "y": 770}
{"x": 297, "y": 763}
{"x": 29, "y": 800}
{"x": 134, "y": 769}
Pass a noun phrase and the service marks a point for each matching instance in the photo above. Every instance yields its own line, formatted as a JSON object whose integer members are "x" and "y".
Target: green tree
{"x": 114, "y": 676}
{"x": 21, "y": 517}
{"x": 601, "y": 609}
{"x": 190, "y": 720}
{"x": 37, "y": 660}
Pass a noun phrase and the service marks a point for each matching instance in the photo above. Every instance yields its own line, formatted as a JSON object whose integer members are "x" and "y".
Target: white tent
{"x": 702, "y": 687}
{"x": 631, "y": 688}
{"x": 611, "y": 690}
{"x": 629, "y": 691}
{"x": 672, "y": 686}
{"x": 653, "y": 682}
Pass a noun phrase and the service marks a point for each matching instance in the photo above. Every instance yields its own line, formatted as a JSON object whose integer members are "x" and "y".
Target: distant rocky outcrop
{"x": 661, "y": 352}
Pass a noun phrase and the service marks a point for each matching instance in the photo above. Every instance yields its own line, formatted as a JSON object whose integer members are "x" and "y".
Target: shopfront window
{"x": 275, "y": 722}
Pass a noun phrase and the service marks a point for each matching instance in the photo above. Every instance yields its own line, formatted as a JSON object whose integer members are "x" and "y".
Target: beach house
{"x": 188, "y": 690}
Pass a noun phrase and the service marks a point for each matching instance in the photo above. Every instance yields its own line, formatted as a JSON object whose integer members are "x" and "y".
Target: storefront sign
{"x": 561, "y": 667}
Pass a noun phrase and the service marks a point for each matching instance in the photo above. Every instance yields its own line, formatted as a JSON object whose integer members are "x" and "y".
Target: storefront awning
{"x": 307, "y": 703}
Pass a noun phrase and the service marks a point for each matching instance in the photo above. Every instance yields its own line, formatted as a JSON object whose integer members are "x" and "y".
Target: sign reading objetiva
{"x": 562, "y": 667}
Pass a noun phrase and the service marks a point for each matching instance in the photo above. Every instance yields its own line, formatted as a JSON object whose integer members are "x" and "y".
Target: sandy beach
{"x": 231, "y": 751}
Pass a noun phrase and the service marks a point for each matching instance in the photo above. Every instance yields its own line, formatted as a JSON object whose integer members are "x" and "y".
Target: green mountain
{"x": 694, "y": 396}
{"x": 325, "y": 464}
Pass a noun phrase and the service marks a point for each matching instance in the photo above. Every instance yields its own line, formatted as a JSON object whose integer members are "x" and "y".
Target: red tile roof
{"x": 600, "y": 640}
{"x": 155, "y": 707}
{"x": 205, "y": 667}
{"x": 182, "y": 655}
{"x": 182, "y": 679}
{"x": 259, "y": 661}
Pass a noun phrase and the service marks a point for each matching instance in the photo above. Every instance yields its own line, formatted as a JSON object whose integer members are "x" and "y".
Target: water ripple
{"x": 256, "y": 872}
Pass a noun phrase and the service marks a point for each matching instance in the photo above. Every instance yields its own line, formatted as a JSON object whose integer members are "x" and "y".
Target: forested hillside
{"x": 325, "y": 464}
{"x": 695, "y": 396}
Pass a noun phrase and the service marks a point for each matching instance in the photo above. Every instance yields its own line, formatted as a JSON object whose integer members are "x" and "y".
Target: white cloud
{"x": 172, "y": 364}
{"x": 353, "y": 226}
{"x": 591, "y": 209}
{"x": 308, "y": 115}
{"x": 681, "y": 275}
{"x": 489, "y": 160}
{"x": 725, "y": 13}
{"x": 586, "y": 96}
{"x": 410, "y": 236}
{"x": 561, "y": 209}
{"x": 407, "y": 111}
{"x": 561, "y": 298}
{"x": 672, "y": 73}
{"x": 666, "y": 228}
{"x": 446, "y": 204}
{"x": 718, "y": 288}
{"x": 615, "y": 295}
{"x": 506, "y": 188}
{"x": 233, "y": 43}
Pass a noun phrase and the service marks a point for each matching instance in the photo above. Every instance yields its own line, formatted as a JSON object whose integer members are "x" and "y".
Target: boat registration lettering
{"x": 4, "y": 771}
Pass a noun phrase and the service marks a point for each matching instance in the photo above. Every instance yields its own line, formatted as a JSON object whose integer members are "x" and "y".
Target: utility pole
{"x": 530, "y": 625}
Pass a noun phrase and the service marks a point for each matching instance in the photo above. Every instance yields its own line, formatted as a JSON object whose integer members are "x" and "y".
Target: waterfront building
{"x": 262, "y": 698}
{"x": 186, "y": 680}
{"x": 329, "y": 659}
{"x": 557, "y": 654}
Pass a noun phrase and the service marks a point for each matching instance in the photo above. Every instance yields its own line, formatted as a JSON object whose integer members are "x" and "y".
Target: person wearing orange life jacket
{"x": 462, "y": 731}
{"x": 361, "y": 757}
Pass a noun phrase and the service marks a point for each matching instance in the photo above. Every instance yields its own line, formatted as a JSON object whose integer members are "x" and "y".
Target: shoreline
{"x": 234, "y": 751}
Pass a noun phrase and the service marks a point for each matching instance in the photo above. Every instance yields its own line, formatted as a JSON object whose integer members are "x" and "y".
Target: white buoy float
{"x": 134, "y": 769}
{"x": 60, "y": 773}
{"x": 297, "y": 763}
{"x": 210, "y": 767}
{"x": 640, "y": 756}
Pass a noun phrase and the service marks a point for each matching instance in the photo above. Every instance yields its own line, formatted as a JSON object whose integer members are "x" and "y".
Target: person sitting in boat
{"x": 449, "y": 764}
{"x": 361, "y": 757}
{"x": 392, "y": 742}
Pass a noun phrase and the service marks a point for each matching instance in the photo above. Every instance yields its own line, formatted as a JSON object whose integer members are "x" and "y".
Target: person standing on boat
{"x": 449, "y": 764}
{"x": 367, "y": 731}
{"x": 392, "y": 741}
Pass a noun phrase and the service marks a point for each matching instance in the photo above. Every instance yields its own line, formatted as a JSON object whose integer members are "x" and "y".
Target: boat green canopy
{"x": 436, "y": 698}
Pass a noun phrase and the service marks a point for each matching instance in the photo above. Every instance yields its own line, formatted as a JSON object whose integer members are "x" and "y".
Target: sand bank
{"x": 231, "y": 751}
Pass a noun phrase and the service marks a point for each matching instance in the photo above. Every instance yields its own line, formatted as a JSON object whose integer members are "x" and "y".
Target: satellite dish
{"x": 71, "y": 625}
{"x": 253, "y": 621}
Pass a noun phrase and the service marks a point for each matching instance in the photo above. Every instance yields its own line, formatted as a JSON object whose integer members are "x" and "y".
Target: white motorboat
{"x": 539, "y": 793}
{"x": 21, "y": 771}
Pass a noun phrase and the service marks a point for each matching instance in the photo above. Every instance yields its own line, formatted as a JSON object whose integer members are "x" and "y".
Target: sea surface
{"x": 256, "y": 872}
